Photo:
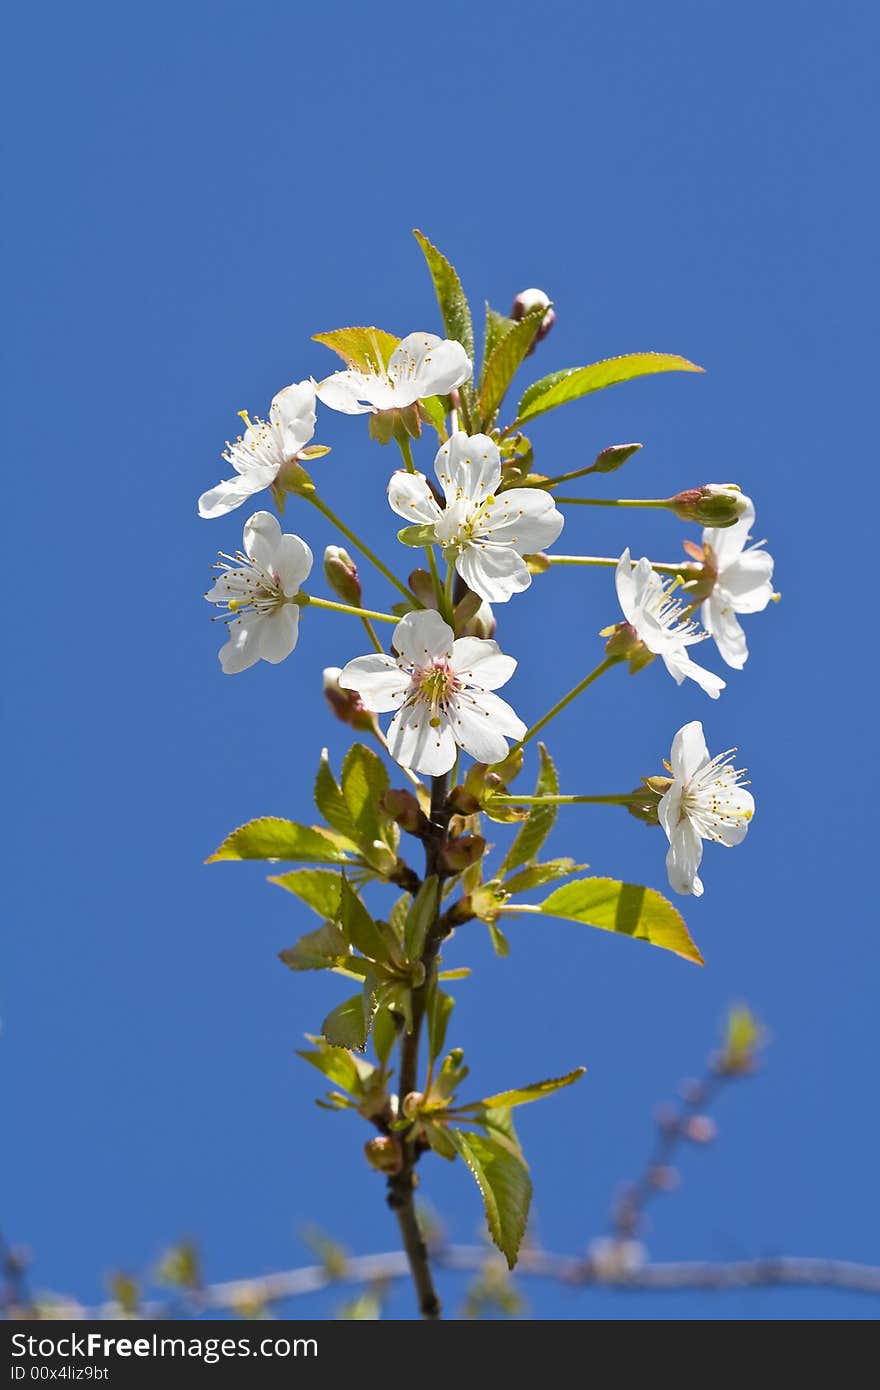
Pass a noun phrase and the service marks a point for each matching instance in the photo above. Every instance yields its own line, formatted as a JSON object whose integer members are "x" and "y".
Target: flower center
{"x": 710, "y": 798}
{"x": 434, "y": 686}
{"x": 249, "y": 588}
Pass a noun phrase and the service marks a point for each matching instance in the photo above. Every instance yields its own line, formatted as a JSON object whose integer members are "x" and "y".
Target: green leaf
{"x": 420, "y": 918}
{"x": 364, "y": 348}
{"x": 320, "y": 889}
{"x": 417, "y": 536}
{"x": 317, "y": 950}
{"x": 561, "y": 387}
{"x": 450, "y": 295}
{"x": 346, "y": 1025}
{"x": 497, "y": 325}
{"x": 338, "y": 1065}
{"x": 503, "y": 1179}
{"x": 360, "y": 929}
{"x": 330, "y": 801}
{"x": 536, "y": 875}
{"x": 524, "y": 1094}
{"x": 385, "y": 1032}
{"x": 270, "y": 837}
{"x": 504, "y": 362}
{"x": 625, "y": 908}
{"x": 398, "y": 915}
{"x": 433, "y": 408}
{"x": 535, "y": 830}
{"x": 364, "y": 779}
{"x": 439, "y": 1008}
{"x": 500, "y": 943}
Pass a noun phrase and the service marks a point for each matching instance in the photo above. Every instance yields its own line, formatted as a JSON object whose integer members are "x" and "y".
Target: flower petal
{"x": 483, "y": 722}
{"x": 413, "y": 742}
{"x": 279, "y": 631}
{"x": 378, "y": 680}
{"x": 421, "y": 636}
{"x": 243, "y": 647}
{"x": 495, "y": 572}
{"x": 625, "y": 584}
{"x": 262, "y": 532}
{"x": 424, "y": 365}
{"x": 689, "y": 751}
{"x": 721, "y": 622}
{"x": 345, "y": 391}
{"x": 293, "y": 413}
{"x": 746, "y": 582}
{"x": 230, "y": 493}
{"x": 468, "y": 466}
{"x": 683, "y": 859}
{"x": 679, "y": 665}
{"x": 410, "y": 496}
{"x": 292, "y": 563}
{"x": 525, "y": 518}
{"x": 739, "y": 807}
{"x": 481, "y": 662}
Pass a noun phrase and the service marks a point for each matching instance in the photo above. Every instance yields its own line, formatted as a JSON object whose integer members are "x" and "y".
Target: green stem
{"x": 610, "y": 563}
{"x": 448, "y": 599}
{"x": 364, "y": 549}
{"x": 406, "y": 451}
{"x": 567, "y": 699}
{"x": 621, "y": 800}
{"x": 363, "y": 613}
{"x": 560, "y": 478}
{"x": 435, "y": 576}
{"x": 662, "y": 502}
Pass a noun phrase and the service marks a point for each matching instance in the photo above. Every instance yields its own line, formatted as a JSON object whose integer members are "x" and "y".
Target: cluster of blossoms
{"x": 440, "y": 679}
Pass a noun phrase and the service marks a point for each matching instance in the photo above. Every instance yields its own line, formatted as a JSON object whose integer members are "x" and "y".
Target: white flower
{"x": 267, "y": 445}
{"x": 441, "y": 689}
{"x": 705, "y": 802}
{"x": 484, "y": 534}
{"x": 259, "y": 587}
{"x": 421, "y": 365}
{"x": 743, "y": 585}
{"x": 659, "y": 622}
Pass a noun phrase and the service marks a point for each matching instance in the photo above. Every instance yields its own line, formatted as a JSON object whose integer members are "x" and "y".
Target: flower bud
{"x": 346, "y": 704}
{"x": 527, "y": 302}
{"x": 700, "y": 1129}
{"x": 716, "y": 504}
{"x": 341, "y": 573}
{"x": 403, "y": 808}
{"x": 385, "y": 1154}
{"x": 482, "y": 624}
{"x": 614, "y": 457}
{"x": 458, "y": 855}
{"x": 463, "y": 802}
{"x": 412, "y": 1104}
{"x": 625, "y": 644}
{"x": 422, "y": 586}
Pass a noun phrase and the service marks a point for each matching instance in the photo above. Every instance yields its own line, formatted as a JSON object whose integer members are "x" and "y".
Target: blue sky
{"x": 196, "y": 190}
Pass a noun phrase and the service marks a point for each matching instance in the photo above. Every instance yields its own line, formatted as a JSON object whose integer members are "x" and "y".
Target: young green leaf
{"x": 561, "y": 387}
{"x": 439, "y": 1008}
{"x": 420, "y": 918}
{"x": 524, "y": 1094}
{"x": 364, "y": 934}
{"x": 503, "y": 1179}
{"x": 500, "y": 943}
{"x": 541, "y": 819}
{"x": 317, "y": 950}
{"x": 450, "y": 296}
{"x": 330, "y": 801}
{"x": 338, "y": 1065}
{"x": 497, "y": 325}
{"x": 346, "y": 1025}
{"x": 385, "y": 1032}
{"x": 536, "y": 875}
{"x": 271, "y": 837}
{"x": 417, "y": 536}
{"x": 362, "y": 348}
{"x": 506, "y": 358}
{"x": 433, "y": 410}
{"x": 625, "y": 908}
{"x": 320, "y": 889}
{"x": 364, "y": 779}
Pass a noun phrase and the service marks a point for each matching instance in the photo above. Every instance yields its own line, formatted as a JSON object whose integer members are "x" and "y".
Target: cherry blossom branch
{"x": 622, "y": 800}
